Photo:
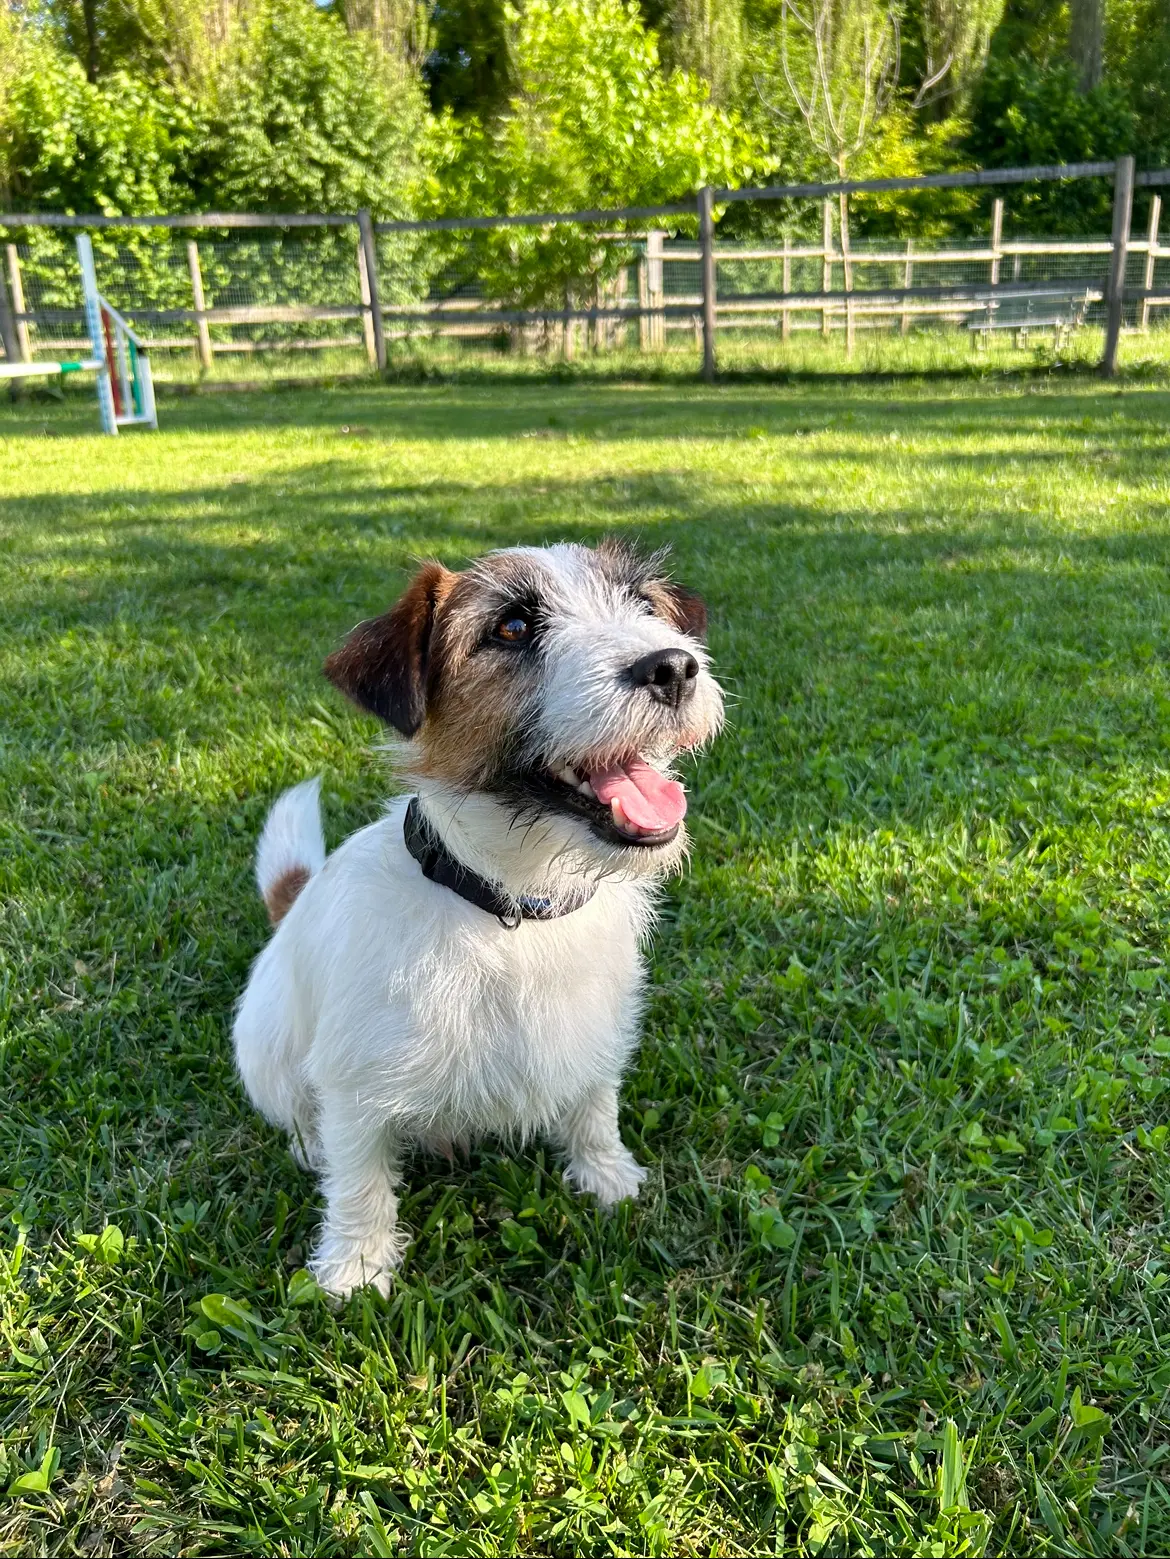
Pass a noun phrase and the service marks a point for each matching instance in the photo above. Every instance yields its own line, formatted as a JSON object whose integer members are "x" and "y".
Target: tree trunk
{"x": 1086, "y": 41}
{"x": 89, "y": 15}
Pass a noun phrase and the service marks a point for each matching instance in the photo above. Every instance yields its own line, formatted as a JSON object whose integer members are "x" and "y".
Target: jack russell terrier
{"x": 471, "y": 963}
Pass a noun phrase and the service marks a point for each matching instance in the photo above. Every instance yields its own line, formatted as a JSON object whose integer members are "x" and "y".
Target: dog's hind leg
{"x": 599, "y": 1160}
{"x": 270, "y": 1060}
{"x": 360, "y": 1240}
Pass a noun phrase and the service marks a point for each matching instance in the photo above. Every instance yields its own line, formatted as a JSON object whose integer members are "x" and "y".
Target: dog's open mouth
{"x": 627, "y": 802}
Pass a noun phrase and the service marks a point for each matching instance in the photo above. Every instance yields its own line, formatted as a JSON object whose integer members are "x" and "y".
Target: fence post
{"x": 8, "y": 337}
{"x": 907, "y": 282}
{"x": 786, "y": 282}
{"x": 707, "y": 245}
{"x": 826, "y": 261}
{"x": 1151, "y": 246}
{"x": 1115, "y": 291}
{"x": 656, "y": 285}
{"x": 202, "y": 332}
{"x": 996, "y": 238}
{"x": 643, "y": 303}
{"x": 367, "y": 310}
{"x": 847, "y": 269}
{"x": 366, "y": 232}
{"x": 996, "y": 259}
{"x": 16, "y": 286}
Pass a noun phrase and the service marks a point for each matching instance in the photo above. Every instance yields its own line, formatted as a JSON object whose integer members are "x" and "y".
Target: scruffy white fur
{"x": 388, "y": 1010}
{"x": 292, "y": 836}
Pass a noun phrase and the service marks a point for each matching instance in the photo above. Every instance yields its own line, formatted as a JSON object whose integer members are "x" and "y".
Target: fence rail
{"x": 652, "y": 283}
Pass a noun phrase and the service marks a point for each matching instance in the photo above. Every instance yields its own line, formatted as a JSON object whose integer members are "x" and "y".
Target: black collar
{"x": 439, "y": 865}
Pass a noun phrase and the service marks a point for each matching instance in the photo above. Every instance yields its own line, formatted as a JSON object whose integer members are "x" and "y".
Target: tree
{"x": 309, "y": 118}
{"x": 840, "y": 60}
{"x": 956, "y": 36}
{"x": 467, "y": 68}
{"x": 593, "y": 121}
{"x": 706, "y": 38}
{"x": 122, "y": 144}
{"x": 1086, "y": 41}
{"x": 400, "y": 28}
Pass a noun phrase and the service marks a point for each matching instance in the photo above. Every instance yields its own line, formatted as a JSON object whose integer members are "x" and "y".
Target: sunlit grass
{"x": 902, "y": 1092}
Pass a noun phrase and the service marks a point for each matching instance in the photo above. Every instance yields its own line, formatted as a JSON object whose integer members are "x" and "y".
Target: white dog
{"x": 470, "y": 963}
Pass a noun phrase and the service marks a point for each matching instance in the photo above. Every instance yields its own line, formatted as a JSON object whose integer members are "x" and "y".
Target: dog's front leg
{"x": 360, "y": 1241}
{"x": 598, "y": 1159}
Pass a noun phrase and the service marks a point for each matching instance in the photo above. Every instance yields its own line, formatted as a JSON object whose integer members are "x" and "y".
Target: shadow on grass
{"x": 617, "y": 411}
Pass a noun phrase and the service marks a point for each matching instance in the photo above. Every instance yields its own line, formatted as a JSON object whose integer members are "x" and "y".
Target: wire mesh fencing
{"x": 804, "y": 280}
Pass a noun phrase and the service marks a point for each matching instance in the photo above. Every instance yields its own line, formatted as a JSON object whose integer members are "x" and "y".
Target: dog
{"x": 470, "y": 964}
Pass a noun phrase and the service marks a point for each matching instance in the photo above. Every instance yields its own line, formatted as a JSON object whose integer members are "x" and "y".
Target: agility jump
{"x": 119, "y": 358}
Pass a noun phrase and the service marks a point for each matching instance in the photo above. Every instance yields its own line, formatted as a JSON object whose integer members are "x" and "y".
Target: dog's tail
{"x": 291, "y": 848}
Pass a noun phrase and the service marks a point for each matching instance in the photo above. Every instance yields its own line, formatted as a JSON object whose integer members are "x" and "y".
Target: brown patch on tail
{"x": 282, "y": 894}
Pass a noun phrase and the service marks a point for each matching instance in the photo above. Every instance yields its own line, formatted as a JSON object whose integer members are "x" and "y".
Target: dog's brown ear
{"x": 686, "y": 609}
{"x": 382, "y": 665}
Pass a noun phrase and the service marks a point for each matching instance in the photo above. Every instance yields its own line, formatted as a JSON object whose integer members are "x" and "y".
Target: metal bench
{"x": 1060, "y": 312}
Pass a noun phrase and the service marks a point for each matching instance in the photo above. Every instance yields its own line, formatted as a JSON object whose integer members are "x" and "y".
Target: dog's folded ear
{"x": 382, "y": 665}
{"x": 686, "y": 609}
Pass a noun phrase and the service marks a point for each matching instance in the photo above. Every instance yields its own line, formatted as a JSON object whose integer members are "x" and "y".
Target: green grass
{"x": 900, "y": 1280}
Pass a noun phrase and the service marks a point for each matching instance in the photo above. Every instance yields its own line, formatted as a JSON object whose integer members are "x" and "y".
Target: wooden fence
{"x": 655, "y": 307}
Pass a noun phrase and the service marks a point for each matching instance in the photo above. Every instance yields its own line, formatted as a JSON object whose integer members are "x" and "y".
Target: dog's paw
{"x": 340, "y": 1268}
{"x": 616, "y": 1177}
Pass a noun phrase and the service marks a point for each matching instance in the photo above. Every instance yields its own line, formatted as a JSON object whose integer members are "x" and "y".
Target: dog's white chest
{"x": 503, "y": 1029}
{"x": 459, "y": 1025}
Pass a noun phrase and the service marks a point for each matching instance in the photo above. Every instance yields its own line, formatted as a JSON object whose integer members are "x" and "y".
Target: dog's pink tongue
{"x": 648, "y": 798}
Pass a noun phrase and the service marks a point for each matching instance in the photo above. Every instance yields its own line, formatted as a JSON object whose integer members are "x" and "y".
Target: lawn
{"x": 899, "y": 1282}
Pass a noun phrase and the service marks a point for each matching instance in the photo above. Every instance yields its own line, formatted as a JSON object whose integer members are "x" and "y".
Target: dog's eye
{"x": 515, "y": 628}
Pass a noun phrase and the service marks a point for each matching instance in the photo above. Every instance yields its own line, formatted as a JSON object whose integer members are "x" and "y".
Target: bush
{"x": 1029, "y": 114}
{"x": 124, "y": 145}
{"x": 594, "y": 123}
{"x": 310, "y": 118}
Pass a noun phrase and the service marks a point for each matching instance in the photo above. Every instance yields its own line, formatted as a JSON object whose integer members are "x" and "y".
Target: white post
{"x": 146, "y": 385}
{"x": 996, "y": 238}
{"x": 369, "y": 244}
{"x": 93, "y": 323}
{"x": 847, "y": 267}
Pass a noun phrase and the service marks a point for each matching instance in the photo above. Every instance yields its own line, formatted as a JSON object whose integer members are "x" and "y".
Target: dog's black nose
{"x": 669, "y": 675}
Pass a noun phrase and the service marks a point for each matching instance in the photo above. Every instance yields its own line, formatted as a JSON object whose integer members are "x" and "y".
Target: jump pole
{"x": 93, "y": 323}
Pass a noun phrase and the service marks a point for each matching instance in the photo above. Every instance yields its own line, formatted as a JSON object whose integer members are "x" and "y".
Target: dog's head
{"x": 559, "y": 681}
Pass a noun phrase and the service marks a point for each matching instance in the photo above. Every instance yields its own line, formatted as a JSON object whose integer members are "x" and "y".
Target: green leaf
{"x": 576, "y": 1407}
{"x": 769, "y": 1227}
{"x": 952, "y": 1472}
{"x": 40, "y": 1479}
{"x": 107, "y": 1246}
{"x": 303, "y": 1288}
{"x": 1037, "y": 1425}
{"x": 520, "y": 1238}
{"x": 1089, "y": 1420}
